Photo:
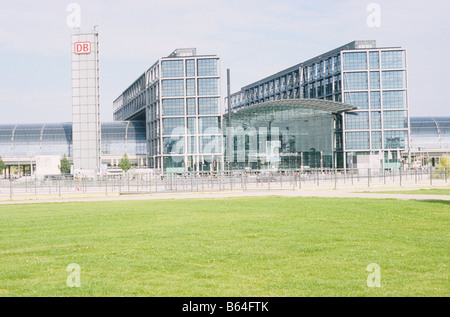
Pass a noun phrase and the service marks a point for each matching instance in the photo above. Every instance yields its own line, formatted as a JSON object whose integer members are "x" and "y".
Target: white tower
{"x": 85, "y": 104}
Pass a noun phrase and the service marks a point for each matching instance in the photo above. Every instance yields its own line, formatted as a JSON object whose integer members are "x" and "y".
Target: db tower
{"x": 85, "y": 105}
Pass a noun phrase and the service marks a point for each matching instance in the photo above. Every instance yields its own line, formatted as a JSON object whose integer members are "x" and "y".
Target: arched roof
{"x": 430, "y": 132}
{"x": 26, "y": 140}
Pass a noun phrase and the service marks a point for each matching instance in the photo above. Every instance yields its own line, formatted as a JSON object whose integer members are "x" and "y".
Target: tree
{"x": 125, "y": 164}
{"x": 442, "y": 170}
{"x": 2, "y": 165}
{"x": 65, "y": 165}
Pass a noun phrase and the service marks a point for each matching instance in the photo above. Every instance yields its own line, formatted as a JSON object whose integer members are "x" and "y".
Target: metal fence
{"x": 227, "y": 181}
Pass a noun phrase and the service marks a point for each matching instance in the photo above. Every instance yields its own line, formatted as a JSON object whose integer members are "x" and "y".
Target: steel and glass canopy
{"x": 318, "y": 104}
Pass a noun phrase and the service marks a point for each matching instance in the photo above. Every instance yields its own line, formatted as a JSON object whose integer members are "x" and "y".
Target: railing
{"x": 227, "y": 181}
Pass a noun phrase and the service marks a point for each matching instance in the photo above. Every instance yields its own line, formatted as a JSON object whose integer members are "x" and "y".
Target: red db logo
{"x": 82, "y": 47}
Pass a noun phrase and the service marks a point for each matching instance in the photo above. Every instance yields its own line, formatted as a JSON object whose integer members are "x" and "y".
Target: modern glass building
{"x": 430, "y": 139}
{"x": 179, "y": 98}
{"x": 286, "y": 134}
{"x": 359, "y": 73}
{"x": 20, "y": 144}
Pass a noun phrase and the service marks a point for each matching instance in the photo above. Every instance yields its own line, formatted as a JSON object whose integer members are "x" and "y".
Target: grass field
{"x": 431, "y": 191}
{"x": 269, "y": 246}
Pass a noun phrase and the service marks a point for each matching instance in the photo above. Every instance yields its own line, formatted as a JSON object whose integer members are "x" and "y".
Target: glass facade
{"x": 430, "y": 133}
{"x": 281, "y": 137}
{"x": 184, "y": 121}
{"x": 30, "y": 140}
{"x": 358, "y": 73}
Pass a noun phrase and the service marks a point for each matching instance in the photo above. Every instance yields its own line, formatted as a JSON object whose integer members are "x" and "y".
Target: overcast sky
{"x": 254, "y": 38}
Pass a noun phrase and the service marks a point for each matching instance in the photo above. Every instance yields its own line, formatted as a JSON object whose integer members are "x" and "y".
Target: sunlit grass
{"x": 269, "y": 246}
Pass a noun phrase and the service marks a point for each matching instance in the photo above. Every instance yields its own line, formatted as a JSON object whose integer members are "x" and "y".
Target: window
{"x": 191, "y": 106}
{"x": 394, "y": 119}
{"x": 376, "y": 119}
{"x": 190, "y": 87}
{"x": 173, "y": 88}
{"x": 357, "y": 120}
{"x": 374, "y": 61}
{"x": 172, "y": 69}
{"x": 207, "y": 67}
{"x": 395, "y": 139}
{"x": 173, "y": 145}
{"x": 394, "y": 99}
{"x": 357, "y": 140}
{"x": 210, "y": 144}
{"x": 355, "y": 61}
{"x": 208, "y": 106}
{"x": 192, "y": 145}
{"x": 394, "y": 79}
{"x": 375, "y": 100}
{"x": 359, "y": 99}
{"x": 192, "y": 125}
{"x": 190, "y": 68}
{"x": 173, "y": 126}
{"x": 355, "y": 81}
{"x": 374, "y": 80}
{"x": 392, "y": 59}
{"x": 209, "y": 125}
{"x": 376, "y": 140}
{"x": 208, "y": 86}
{"x": 173, "y": 107}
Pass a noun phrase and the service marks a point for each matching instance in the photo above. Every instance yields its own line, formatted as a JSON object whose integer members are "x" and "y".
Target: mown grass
{"x": 269, "y": 246}
{"x": 431, "y": 191}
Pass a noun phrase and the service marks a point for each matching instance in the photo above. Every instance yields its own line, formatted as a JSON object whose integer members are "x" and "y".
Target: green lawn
{"x": 432, "y": 191}
{"x": 269, "y": 246}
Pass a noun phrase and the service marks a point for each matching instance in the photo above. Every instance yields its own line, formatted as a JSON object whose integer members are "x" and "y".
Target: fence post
{"x": 400, "y": 174}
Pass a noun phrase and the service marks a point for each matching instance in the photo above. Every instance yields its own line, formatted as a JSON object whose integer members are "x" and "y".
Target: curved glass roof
{"x": 28, "y": 140}
{"x": 430, "y": 132}
{"x": 318, "y": 104}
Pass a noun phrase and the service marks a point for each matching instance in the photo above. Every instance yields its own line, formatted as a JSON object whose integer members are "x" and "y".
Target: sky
{"x": 254, "y": 38}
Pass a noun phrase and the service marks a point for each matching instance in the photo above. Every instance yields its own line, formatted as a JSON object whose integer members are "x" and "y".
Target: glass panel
{"x": 191, "y": 106}
{"x": 173, "y": 126}
{"x": 209, "y": 125}
{"x": 190, "y": 68}
{"x": 394, "y": 119}
{"x": 173, "y": 145}
{"x": 394, "y": 79}
{"x": 395, "y": 139}
{"x": 357, "y": 140}
{"x": 173, "y": 107}
{"x": 374, "y": 60}
{"x": 394, "y": 99}
{"x": 374, "y": 80}
{"x": 359, "y": 99}
{"x": 357, "y": 120}
{"x": 355, "y": 81}
{"x": 208, "y": 106}
{"x": 355, "y": 61}
{"x": 376, "y": 119}
{"x": 208, "y": 86}
{"x": 207, "y": 67}
{"x": 190, "y": 87}
{"x": 172, "y": 69}
{"x": 392, "y": 59}
{"x": 173, "y": 88}
{"x": 376, "y": 140}
{"x": 375, "y": 100}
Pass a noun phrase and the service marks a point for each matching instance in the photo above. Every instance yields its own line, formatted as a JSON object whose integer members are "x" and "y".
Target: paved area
{"x": 342, "y": 193}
